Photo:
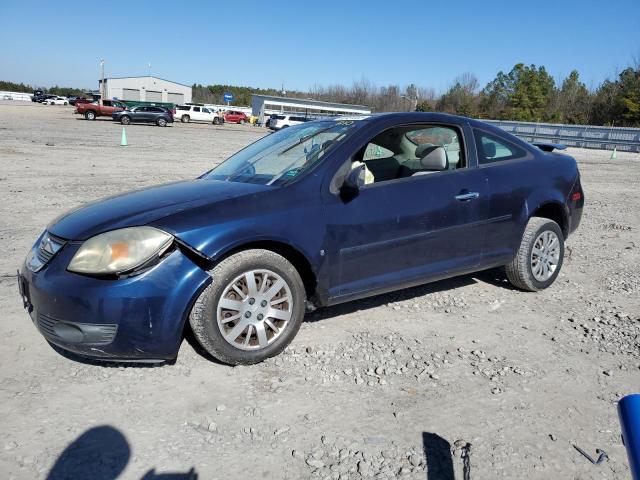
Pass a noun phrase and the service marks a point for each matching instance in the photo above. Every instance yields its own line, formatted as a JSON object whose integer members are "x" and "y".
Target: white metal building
{"x": 146, "y": 89}
{"x": 266, "y": 104}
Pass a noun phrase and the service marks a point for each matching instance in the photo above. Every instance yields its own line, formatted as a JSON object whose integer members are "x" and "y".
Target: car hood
{"x": 141, "y": 207}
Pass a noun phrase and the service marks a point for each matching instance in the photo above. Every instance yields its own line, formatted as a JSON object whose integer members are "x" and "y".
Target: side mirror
{"x": 356, "y": 178}
{"x": 354, "y": 182}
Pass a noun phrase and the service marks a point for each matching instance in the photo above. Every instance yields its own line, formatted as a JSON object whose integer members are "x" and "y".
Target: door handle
{"x": 463, "y": 197}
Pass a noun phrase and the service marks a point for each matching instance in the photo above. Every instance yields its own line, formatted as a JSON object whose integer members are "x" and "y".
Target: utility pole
{"x": 103, "y": 91}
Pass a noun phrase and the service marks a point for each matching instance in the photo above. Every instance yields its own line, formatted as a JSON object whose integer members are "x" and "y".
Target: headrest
{"x": 489, "y": 149}
{"x": 422, "y": 150}
{"x": 436, "y": 159}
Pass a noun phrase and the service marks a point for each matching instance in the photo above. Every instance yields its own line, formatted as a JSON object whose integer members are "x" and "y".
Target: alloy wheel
{"x": 545, "y": 255}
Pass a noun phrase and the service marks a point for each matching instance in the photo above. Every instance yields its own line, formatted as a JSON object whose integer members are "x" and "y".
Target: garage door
{"x": 131, "y": 94}
{"x": 177, "y": 98}
{"x": 153, "y": 96}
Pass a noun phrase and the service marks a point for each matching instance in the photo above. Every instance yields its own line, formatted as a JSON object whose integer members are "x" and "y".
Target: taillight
{"x": 576, "y": 194}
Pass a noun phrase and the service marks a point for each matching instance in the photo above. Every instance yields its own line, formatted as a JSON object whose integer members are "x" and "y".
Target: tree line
{"x": 526, "y": 93}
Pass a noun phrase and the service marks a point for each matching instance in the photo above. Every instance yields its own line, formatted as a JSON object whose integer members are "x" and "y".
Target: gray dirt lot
{"x": 364, "y": 387}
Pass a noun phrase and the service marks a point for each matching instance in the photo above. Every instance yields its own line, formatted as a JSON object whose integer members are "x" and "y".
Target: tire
{"x": 65, "y": 103}
{"x": 90, "y": 115}
{"x": 241, "y": 122}
{"x": 161, "y": 122}
{"x": 125, "y": 120}
{"x": 533, "y": 270}
{"x": 216, "y": 121}
{"x": 208, "y": 328}
{"x": 185, "y": 119}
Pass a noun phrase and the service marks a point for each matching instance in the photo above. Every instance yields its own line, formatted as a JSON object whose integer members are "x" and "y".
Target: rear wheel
{"x": 66, "y": 103}
{"x": 125, "y": 120}
{"x": 241, "y": 122}
{"x": 540, "y": 256}
{"x": 252, "y": 309}
{"x": 90, "y": 115}
{"x": 161, "y": 122}
{"x": 216, "y": 121}
{"x": 185, "y": 119}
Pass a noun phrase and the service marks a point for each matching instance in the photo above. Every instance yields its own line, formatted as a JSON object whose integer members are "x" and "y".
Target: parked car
{"x": 276, "y": 122}
{"x": 99, "y": 108}
{"x": 234, "y": 116}
{"x": 56, "y": 100}
{"x": 194, "y": 113}
{"x": 313, "y": 215}
{"x": 42, "y": 98}
{"x": 161, "y": 116}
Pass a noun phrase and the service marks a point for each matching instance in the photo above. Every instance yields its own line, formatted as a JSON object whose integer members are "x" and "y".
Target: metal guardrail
{"x": 581, "y": 136}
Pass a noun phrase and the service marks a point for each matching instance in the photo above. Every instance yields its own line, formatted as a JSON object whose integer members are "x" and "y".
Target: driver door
{"x": 407, "y": 230}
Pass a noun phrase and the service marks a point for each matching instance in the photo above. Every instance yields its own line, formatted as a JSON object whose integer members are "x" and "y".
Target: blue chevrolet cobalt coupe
{"x": 316, "y": 214}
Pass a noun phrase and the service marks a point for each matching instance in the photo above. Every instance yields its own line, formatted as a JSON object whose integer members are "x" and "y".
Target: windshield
{"x": 284, "y": 155}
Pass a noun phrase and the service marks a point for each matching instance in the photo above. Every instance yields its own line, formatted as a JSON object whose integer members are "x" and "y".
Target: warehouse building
{"x": 266, "y": 104}
{"x": 145, "y": 89}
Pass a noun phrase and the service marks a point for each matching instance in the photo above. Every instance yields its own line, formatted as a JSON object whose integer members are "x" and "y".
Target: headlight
{"x": 119, "y": 250}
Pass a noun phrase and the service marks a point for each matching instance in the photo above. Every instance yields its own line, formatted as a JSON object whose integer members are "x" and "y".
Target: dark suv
{"x": 161, "y": 116}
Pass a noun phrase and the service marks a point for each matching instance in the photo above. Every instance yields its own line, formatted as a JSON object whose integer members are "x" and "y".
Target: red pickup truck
{"x": 99, "y": 108}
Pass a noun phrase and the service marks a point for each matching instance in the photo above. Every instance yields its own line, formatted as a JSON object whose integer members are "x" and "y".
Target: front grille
{"x": 67, "y": 332}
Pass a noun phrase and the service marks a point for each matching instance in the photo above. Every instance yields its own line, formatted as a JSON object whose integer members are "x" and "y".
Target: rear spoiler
{"x": 549, "y": 147}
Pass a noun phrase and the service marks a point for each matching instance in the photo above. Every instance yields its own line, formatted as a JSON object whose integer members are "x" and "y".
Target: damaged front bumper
{"x": 140, "y": 318}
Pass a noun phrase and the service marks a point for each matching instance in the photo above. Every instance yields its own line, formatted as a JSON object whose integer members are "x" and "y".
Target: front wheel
{"x": 185, "y": 119}
{"x": 90, "y": 115}
{"x": 540, "y": 256}
{"x": 161, "y": 122}
{"x": 216, "y": 121}
{"x": 125, "y": 120}
{"x": 252, "y": 310}
{"x": 241, "y": 122}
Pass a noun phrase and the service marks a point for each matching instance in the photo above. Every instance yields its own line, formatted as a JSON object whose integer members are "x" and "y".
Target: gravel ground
{"x": 490, "y": 382}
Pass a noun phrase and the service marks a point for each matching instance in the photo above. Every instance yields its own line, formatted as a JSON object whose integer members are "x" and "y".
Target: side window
{"x": 106, "y": 103}
{"x": 205, "y": 110}
{"x": 440, "y": 136}
{"x": 196, "y": 109}
{"x": 493, "y": 149}
{"x": 412, "y": 150}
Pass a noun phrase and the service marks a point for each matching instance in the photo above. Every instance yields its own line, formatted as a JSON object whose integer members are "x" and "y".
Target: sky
{"x": 303, "y": 43}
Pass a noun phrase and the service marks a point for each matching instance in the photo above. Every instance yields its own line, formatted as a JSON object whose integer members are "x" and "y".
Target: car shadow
{"x": 102, "y": 453}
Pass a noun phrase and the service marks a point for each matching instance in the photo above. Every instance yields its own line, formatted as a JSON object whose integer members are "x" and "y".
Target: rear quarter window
{"x": 492, "y": 148}
{"x": 182, "y": 107}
